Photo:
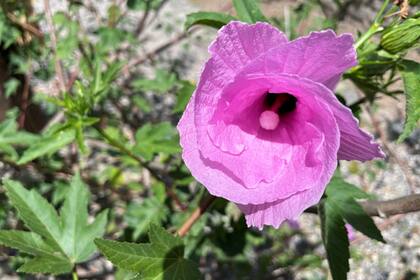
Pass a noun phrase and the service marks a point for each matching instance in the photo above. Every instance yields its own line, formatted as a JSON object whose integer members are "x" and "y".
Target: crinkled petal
{"x": 236, "y": 45}
{"x": 275, "y": 213}
{"x": 321, "y": 57}
{"x": 239, "y": 43}
{"x": 272, "y": 175}
{"x": 270, "y": 168}
{"x": 355, "y": 144}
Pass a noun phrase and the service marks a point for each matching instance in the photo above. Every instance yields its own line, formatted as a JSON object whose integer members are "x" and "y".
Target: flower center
{"x": 277, "y": 104}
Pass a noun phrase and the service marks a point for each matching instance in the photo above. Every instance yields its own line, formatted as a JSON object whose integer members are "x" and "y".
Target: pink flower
{"x": 264, "y": 128}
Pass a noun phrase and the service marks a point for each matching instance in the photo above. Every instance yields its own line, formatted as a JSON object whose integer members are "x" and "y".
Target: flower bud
{"x": 401, "y": 37}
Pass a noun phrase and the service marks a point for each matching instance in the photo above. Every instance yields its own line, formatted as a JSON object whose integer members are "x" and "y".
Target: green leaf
{"x": 162, "y": 82}
{"x": 9, "y": 133}
{"x": 211, "y": 19}
{"x": 340, "y": 189}
{"x": 10, "y": 87}
{"x": 48, "y": 145}
{"x": 342, "y": 196}
{"x": 77, "y": 238}
{"x": 89, "y": 233}
{"x": 159, "y": 138}
{"x": 76, "y": 202}
{"x": 340, "y": 205}
{"x": 336, "y": 242}
{"x": 57, "y": 242}
{"x": 37, "y": 214}
{"x": 46, "y": 265}
{"x": 410, "y": 72}
{"x": 143, "y": 4}
{"x": 249, "y": 11}
{"x": 162, "y": 258}
{"x": 142, "y": 103}
{"x": 27, "y": 242}
{"x": 354, "y": 214}
{"x": 140, "y": 215}
{"x": 10, "y": 136}
{"x": 183, "y": 96}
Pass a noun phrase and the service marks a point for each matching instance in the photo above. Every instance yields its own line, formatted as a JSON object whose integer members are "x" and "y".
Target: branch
{"x": 402, "y": 205}
{"x": 204, "y": 205}
{"x": 142, "y": 22}
{"x": 387, "y": 208}
{"x": 58, "y": 66}
{"x": 24, "y": 102}
{"x": 25, "y": 25}
{"x": 159, "y": 49}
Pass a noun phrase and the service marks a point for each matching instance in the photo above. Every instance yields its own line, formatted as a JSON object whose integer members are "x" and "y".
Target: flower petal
{"x": 270, "y": 168}
{"x": 355, "y": 144}
{"x": 236, "y": 45}
{"x": 321, "y": 57}
{"x": 239, "y": 43}
{"x": 275, "y": 213}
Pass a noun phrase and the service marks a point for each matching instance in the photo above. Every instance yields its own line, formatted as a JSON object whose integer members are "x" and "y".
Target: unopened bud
{"x": 401, "y": 37}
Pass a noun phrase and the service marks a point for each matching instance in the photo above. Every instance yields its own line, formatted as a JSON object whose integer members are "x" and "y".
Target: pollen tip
{"x": 269, "y": 120}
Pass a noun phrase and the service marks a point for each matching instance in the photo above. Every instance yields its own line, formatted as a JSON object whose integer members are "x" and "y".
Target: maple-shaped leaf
{"x": 57, "y": 242}
{"x": 162, "y": 258}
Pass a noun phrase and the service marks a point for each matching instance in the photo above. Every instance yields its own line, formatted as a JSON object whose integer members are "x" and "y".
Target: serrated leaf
{"x": 354, "y": 214}
{"x": 336, "y": 242}
{"x": 211, "y": 19}
{"x": 76, "y": 202}
{"x": 48, "y": 145}
{"x": 342, "y": 196}
{"x": 27, "y": 242}
{"x": 46, "y": 265}
{"x": 340, "y": 189}
{"x": 140, "y": 215}
{"x": 249, "y": 11}
{"x": 162, "y": 258}
{"x": 10, "y": 135}
{"x": 37, "y": 214}
{"x": 89, "y": 233}
{"x": 410, "y": 72}
{"x": 57, "y": 242}
{"x": 78, "y": 235}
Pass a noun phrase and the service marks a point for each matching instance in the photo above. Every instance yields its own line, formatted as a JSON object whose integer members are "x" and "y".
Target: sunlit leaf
{"x": 212, "y": 19}
{"x": 162, "y": 258}
{"x": 410, "y": 72}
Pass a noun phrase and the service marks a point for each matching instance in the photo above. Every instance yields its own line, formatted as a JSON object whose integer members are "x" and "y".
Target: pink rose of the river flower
{"x": 264, "y": 128}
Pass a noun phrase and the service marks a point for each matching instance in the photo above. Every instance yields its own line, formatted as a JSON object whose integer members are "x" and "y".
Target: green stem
{"x": 119, "y": 146}
{"x": 75, "y": 277}
{"x": 371, "y": 31}
{"x": 375, "y": 27}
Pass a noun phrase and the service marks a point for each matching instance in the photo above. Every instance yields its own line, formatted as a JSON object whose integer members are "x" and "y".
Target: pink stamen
{"x": 269, "y": 119}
